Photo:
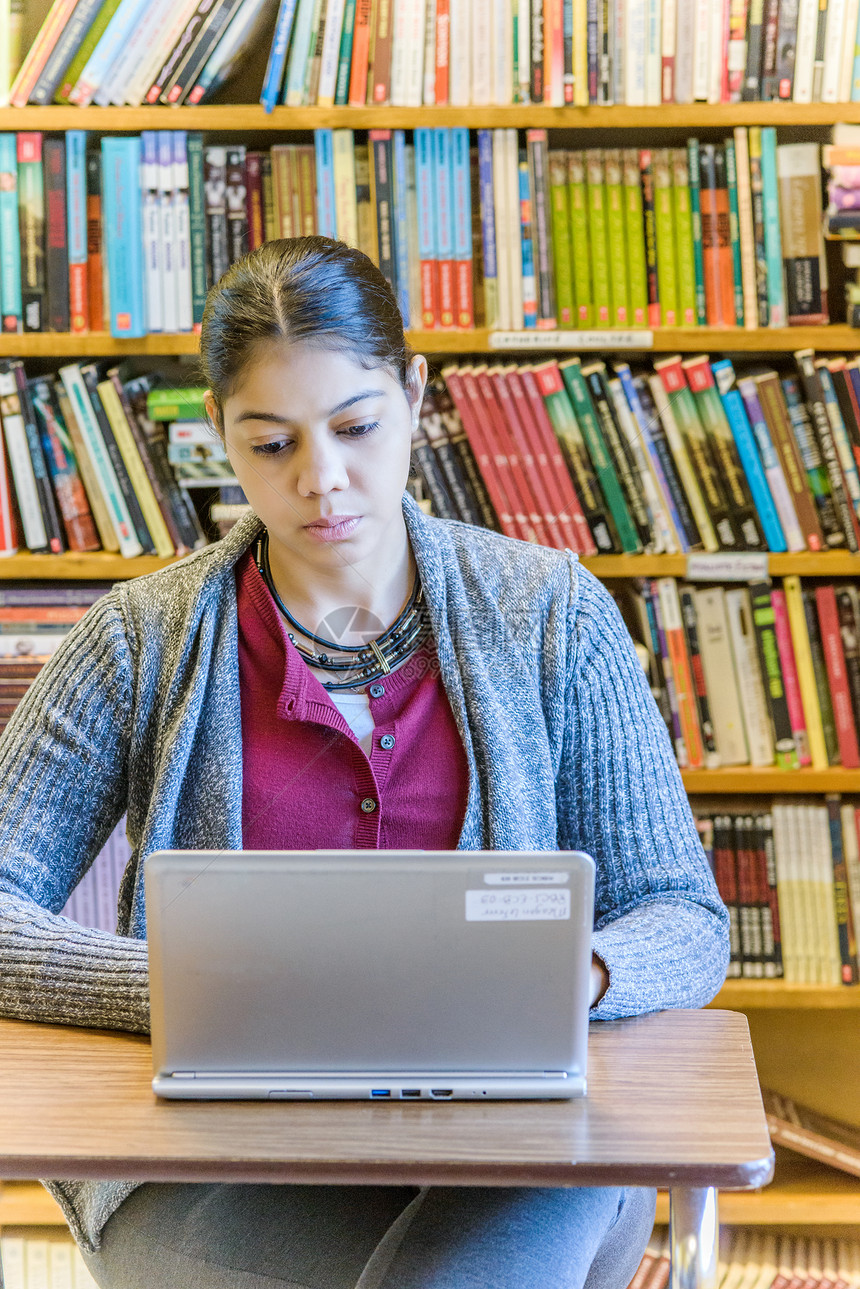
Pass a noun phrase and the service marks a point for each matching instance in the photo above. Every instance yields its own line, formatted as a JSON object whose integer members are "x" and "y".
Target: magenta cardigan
{"x": 307, "y": 783}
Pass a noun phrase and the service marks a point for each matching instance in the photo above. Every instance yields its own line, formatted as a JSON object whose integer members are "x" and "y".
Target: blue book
{"x": 401, "y": 222}
{"x": 300, "y": 55}
{"x": 10, "y": 242}
{"x": 344, "y": 58}
{"x": 488, "y": 227}
{"x": 772, "y": 233}
{"x": 426, "y": 201}
{"x": 326, "y": 218}
{"x": 464, "y": 314}
{"x": 443, "y": 182}
{"x": 742, "y": 433}
{"x": 123, "y": 232}
{"x": 278, "y": 55}
{"x": 97, "y": 69}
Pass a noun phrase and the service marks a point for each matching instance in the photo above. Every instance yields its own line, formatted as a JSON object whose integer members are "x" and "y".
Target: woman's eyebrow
{"x": 274, "y": 419}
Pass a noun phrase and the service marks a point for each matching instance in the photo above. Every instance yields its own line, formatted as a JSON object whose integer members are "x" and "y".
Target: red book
{"x": 380, "y": 72}
{"x": 508, "y": 461}
{"x": 254, "y": 199}
{"x": 95, "y": 293}
{"x": 725, "y": 255}
{"x": 837, "y": 677}
{"x": 56, "y": 240}
{"x": 463, "y": 390}
{"x": 443, "y": 30}
{"x": 534, "y": 468}
{"x": 532, "y": 381}
{"x": 8, "y": 520}
{"x": 360, "y": 53}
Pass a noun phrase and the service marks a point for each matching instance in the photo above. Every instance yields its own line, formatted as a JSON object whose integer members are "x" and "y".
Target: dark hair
{"x": 300, "y": 289}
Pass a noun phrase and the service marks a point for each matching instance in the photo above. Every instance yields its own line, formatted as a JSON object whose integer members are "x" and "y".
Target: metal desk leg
{"x": 693, "y": 1237}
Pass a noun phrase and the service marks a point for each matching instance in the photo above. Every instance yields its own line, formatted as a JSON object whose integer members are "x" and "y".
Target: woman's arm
{"x": 661, "y": 929}
{"x": 63, "y": 771}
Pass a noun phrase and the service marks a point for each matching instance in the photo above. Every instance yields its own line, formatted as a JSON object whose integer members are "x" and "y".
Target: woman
{"x": 341, "y": 671}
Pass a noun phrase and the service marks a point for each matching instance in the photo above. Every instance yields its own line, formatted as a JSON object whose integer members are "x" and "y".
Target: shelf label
{"x": 571, "y": 339}
{"x": 727, "y": 566}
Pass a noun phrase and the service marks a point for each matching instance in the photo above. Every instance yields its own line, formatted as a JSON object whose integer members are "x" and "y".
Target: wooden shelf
{"x": 836, "y": 338}
{"x": 778, "y": 995}
{"x": 802, "y": 1191}
{"x": 251, "y": 116}
{"x": 767, "y": 779}
{"x": 28, "y": 1204}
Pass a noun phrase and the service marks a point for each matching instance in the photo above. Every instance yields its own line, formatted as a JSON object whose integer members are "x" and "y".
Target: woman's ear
{"x": 416, "y": 381}
{"x": 213, "y": 413}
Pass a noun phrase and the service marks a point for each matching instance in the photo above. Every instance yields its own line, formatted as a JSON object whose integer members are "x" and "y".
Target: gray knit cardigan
{"x": 139, "y": 712}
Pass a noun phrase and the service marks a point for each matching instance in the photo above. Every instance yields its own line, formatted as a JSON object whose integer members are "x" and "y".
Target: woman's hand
{"x": 599, "y": 979}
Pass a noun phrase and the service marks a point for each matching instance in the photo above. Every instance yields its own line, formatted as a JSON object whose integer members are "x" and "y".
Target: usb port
{"x": 410, "y": 1092}
{"x": 380, "y": 1092}
{"x": 441, "y": 1092}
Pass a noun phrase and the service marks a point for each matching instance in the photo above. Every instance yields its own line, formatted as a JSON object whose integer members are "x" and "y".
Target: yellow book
{"x": 805, "y": 673}
{"x": 136, "y": 471}
{"x": 580, "y": 53}
{"x": 346, "y": 208}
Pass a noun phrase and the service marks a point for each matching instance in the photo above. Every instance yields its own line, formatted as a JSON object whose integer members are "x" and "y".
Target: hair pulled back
{"x": 311, "y": 289}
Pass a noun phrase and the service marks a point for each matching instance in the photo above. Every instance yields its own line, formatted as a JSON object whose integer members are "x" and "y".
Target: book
{"x": 764, "y": 622}
{"x": 799, "y": 179}
{"x": 720, "y": 679}
{"x": 747, "y": 669}
{"x": 63, "y": 469}
{"x": 811, "y": 1134}
{"x": 31, "y": 214}
{"x": 121, "y": 201}
{"x": 11, "y": 305}
{"x": 837, "y": 678}
{"x": 20, "y": 462}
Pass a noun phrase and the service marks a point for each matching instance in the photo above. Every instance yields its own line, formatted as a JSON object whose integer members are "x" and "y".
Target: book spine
{"x": 725, "y": 256}
{"x": 684, "y": 252}
{"x": 693, "y": 171}
{"x": 561, "y": 258}
{"x": 10, "y": 240}
{"x": 90, "y": 378}
{"x": 579, "y": 239}
{"x": 153, "y": 250}
{"x": 122, "y": 226}
{"x": 597, "y": 237}
{"x": 197, "y": 226}
{"x": 92, "y": 37}
{"x": 20, "y": 462}
{"x": 508, "y": 459}
{"x": 237, "y": 216}
{"x": 536, "y": 144}
{"x": 62, "y": 467}
{"x": 70, "y": 36}
{"x": 31, "y": 211}
{"x": 615, "y": 221}
{"x": 799, "y": 180}
{"x": 775, "y": 413}
{"x": 646, "y": 173}
{"x": 802, "y": 655}
{"x": 56, "y": 244}
{"x": 190, "y": 34}
{"x": 757, "y": 479}
{"x": 618, "y": 452}
{"x": 683, "y": 462}
{"x": 47, "y": 500}
{"x": 822, "y": 681}
{"x": 649, "y": 429}
{"x": 488, "y": 227}
{"x": 444, "y": 225}
{"x": 456, "y": 381}
{"x": 135, "y": 467}
{"x": 842, "y": 443}
{"x": 746, "y": 234}
{"x": 39, "y": 52}
{"x": 673, "y": 628}
{"x": 527, "y": 385}
{"x": 274, "y": 73}
{"x": 834, "y": 657}
{"x": 533, "y": 462}
{"x": 182, "y": 225}
{"x": 764, "y": 620}
{"x": 666, "y": 238}
{"x": 424, "y": 177}
{"x": 772, "y": 233}
{"x": 689, "y": 617}
{"x": 814, "y": 396}
{"x": 117, "y": 31}
{"x": 95, "y": 267}
{"x": 215, "y": 190}
{"x": 76, "y": 214}
{"x": 634, "y": 237}
{"x": 735, "y": 232}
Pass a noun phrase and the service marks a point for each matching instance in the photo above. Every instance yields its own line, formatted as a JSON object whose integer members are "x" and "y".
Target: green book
{"x": 571, "y": 371}
{"x": 197, "y": 225}
{"x": 696, "y": 217}
{"x": 344, "y": 58}
{"x": 561, "y": 258}
{"x": 579, "y": 239}
{"x": 176, "y": 404}
{"x": 81, "y": 58}
{"x": 597, "y": 235}
{"x": 664, "y": 226}
{"x": 735, "y": 230}
{"x": 615, "y": 223}
{"x": 688, "y": 315}
{"x": 637, "y": 272}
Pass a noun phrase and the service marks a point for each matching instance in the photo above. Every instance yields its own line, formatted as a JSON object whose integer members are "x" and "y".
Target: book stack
{"x": 760, "y": 674}
{"x": 639, "y": 52}
{"x": 88, "y": 51}
{"x": 790, "y": 878}
{"x": 49, "y": 1260}
{"x": 690, "y": 455}
{"x": 508, "y": 234}
{"x": 841, "y": 161}
{"x": 196, "y": 453}
{"x": 761, "y": 1260}
{"x": 83, "y": 468}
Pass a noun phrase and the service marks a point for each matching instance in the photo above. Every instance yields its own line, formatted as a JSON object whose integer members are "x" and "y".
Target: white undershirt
{"x": 355, "y": 710}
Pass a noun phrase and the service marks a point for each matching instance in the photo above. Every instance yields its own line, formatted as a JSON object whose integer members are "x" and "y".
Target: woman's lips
{"x": 333, "y": 529}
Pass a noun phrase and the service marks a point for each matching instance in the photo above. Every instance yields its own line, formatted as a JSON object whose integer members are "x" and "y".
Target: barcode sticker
{"x": 526, "y": 879}
{"x": 518, "y": 906}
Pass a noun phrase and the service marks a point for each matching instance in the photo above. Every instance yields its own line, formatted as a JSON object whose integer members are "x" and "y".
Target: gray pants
{"x": 220, "y": 1236}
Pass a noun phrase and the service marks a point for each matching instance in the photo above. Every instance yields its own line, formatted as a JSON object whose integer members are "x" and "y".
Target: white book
{"x": 12, "y": 1255}
{"x": 682, "y": 463}
{"x": 513, "y": 231}
{"x": 416, "y": 33}
{"x": 78, "y": 395}
{"x": 804, "y": 59}
{"x": 504, "y": 319}
{"x": 139, "y": 47}
{"x": 151, "y": 218}
{"x": 21, "y": 466}
{"x": 331, "y": 52}
{"x": 459, "y": 53}
{"x": 828, "y": 943}
{"x": 851, "y": 850}
{"x": 146, "y": 67}
{"x": 113, "y": 39}
{"x": 846, "y": 70}
{"x": 662, "y": 530}
{"x": 720, "y": 677}
{"x": 182, "y": 224}
{"x": 635, "y": 53}
{"x": 482, "y": 52}
{"x": 300, "y": 52}
{"x": 748, "y": 671}
{"x": 668, "y": 33}
{"x": 701, "y": 49}
{"x": 804, "y": 841}
{"x": 428, "y": 98}
{"x": 618, "y": 52}
{"x": 834, "y": 35}
{"x": 60, "y": 1273}
{"x": 167, "y": 234}
{"x": 718, "y": 52}
{"x": 503, "y": 61}
{"x": 685, "y": 44}
{"x": 784, "y": 826}
{"x": 653, "y": 55}
{"x": 343, "y": 164}
{"x": 524, "y": 49}
{"x": 36, "y": 1264}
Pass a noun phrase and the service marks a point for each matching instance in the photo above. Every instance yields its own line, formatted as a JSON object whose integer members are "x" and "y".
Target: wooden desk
{"x": 673, "y": 1101}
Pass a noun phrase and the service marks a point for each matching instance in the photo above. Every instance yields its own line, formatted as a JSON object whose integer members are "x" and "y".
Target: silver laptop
{"x": 392, "y": 975}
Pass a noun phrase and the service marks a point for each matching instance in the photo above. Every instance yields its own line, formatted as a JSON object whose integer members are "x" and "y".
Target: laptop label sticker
{"x": 517, "y": 906}
{"x": 526, "y": 879}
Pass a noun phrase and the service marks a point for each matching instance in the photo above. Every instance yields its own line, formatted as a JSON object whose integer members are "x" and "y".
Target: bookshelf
{"x": 816, "y": 1027}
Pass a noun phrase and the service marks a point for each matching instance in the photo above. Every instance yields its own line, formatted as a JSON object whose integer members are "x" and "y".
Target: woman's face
{"x": 321, "y": 448}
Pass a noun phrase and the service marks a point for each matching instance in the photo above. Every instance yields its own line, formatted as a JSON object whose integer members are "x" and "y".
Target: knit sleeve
{"x": 660, "y": 926}
{"x": 63, "y": 763}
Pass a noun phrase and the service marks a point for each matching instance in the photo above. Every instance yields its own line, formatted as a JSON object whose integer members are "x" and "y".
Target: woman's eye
{"x": 269, "y": 449}
{"x": 358, "y": 431}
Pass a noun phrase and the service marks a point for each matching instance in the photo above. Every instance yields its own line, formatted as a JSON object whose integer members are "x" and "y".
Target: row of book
{"x": 44, "y": 1261}
{"x": 790, "y": 878}
{"x": 136, "y": 51}
{"x": 691, "y": 455}
{"x": 83, "y": 467}
{"x": 759, "y": 1259}
{"x": 759, "y": 674}
{"x": 509, "y": 233}
{"x": 561, "y": 52}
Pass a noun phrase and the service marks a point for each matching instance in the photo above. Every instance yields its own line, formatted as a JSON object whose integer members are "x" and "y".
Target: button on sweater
{"x": 139, "y": 711}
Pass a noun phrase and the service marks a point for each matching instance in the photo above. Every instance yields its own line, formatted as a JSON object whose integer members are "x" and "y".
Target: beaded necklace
{"x": 367, "y": 663}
